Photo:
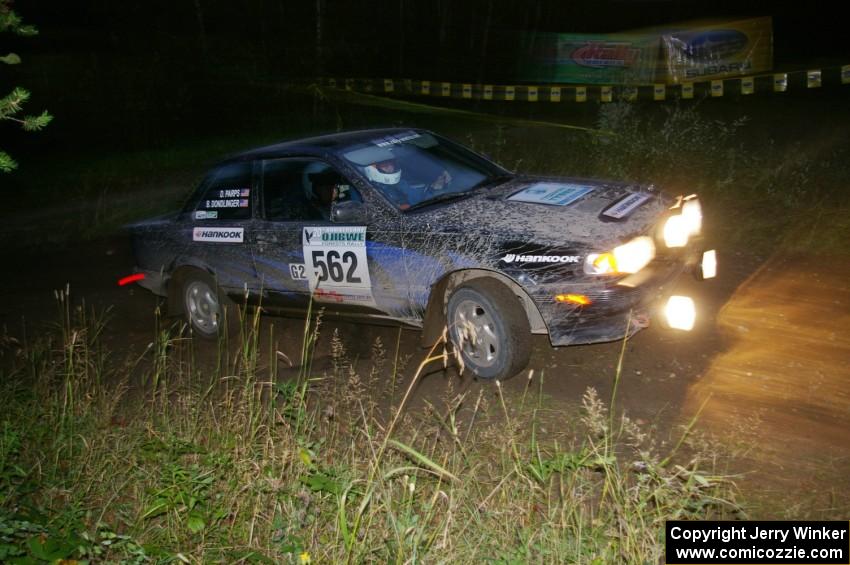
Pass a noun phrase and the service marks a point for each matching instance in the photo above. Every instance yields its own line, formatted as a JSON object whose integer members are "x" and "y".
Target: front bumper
{"x": 616, "y": 310}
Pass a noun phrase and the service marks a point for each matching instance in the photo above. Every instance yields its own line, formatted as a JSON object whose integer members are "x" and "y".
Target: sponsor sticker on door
{"x": 218, "y": 235}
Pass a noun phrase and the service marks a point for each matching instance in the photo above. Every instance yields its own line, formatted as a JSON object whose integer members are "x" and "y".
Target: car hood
{"x": 592, "y": 218}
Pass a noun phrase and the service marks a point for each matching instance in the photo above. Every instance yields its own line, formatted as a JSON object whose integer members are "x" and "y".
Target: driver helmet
{"x": 384, "y": 172}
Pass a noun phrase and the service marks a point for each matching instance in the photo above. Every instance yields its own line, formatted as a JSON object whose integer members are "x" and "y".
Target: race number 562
{"x": 338, "y": 267}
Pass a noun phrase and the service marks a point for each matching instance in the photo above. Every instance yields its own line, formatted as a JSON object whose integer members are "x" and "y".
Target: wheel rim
{"x": 202, "y": 307}
{"x": 475, "y": 333}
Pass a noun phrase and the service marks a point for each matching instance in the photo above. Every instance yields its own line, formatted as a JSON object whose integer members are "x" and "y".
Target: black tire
{"x": 202, "y": 304}
{"x": 489, "y": 329}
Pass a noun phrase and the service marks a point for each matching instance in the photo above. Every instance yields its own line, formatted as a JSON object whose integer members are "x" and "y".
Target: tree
{"x": 12, "y": 104}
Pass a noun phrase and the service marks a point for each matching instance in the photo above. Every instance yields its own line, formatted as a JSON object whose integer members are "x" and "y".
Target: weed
{"x": 220, "y": 460}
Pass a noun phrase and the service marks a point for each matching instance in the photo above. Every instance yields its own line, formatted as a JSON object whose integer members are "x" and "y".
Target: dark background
{"x": 139, "y": 75}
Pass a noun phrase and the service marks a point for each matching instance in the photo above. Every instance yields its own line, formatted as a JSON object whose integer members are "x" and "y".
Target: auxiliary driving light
{"x": 709, "y": 264}
{"x": 680, "y": 313}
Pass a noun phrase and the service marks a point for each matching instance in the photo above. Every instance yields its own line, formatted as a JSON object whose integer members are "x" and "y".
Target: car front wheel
{"x": 489, "y": 329}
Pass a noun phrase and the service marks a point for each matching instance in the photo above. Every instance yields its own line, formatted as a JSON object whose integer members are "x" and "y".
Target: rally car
{"x": 408, "y": 226}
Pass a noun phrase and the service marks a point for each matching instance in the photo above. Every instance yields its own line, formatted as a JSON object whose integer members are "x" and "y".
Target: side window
{"x": 302, "y": 189}
{"x": 226, "y": 194}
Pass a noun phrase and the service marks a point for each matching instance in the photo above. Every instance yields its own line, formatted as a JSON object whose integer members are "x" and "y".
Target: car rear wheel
{"x": 202, "y": 304}
{"x": 489, "y": 329}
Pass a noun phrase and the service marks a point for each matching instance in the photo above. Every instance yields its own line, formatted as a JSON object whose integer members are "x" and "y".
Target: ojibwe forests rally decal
{"x": 337, "y": 267}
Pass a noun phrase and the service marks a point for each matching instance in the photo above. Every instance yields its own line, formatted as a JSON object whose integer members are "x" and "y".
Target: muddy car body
{"x": 452, "y": 240}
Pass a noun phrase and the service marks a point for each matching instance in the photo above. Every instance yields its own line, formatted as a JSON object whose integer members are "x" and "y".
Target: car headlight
{"x": 688, "y": 222}
{"x": 692, "y": 213}
{"x": 630, "y": 257}
{"x": 676, "y": 231}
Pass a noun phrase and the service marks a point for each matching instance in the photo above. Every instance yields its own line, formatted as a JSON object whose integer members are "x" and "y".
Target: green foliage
{"x": 220, "y": 461}
{"x": 12, "y": 104}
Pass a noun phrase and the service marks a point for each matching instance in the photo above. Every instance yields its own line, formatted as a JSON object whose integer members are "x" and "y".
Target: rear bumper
{"x": 154, "y": 281}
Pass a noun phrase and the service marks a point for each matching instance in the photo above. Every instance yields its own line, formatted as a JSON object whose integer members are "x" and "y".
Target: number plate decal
{"x": 336, "y": 262}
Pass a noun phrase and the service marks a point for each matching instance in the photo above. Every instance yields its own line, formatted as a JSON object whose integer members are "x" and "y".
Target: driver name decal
{"x": 552, "y": 193}
{"x": 219, "y": 235}
{"x": 336, "y": 264}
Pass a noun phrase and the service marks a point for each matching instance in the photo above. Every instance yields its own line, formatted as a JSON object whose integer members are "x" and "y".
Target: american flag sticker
{"x": 243, "y": 203}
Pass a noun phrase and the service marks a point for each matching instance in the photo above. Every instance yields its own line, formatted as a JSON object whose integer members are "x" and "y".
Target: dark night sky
{"x": 440, "y": 39}
{"x": 134, "y": 73}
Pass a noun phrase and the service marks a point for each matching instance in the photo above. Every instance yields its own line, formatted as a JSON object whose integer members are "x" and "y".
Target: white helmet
{"x": 385, "y": 172}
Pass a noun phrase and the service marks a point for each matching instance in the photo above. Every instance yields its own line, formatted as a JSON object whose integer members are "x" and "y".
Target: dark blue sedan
{"x": 405, "y": 225}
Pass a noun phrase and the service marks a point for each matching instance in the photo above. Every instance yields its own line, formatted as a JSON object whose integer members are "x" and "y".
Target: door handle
{"x": 265, "y": 239}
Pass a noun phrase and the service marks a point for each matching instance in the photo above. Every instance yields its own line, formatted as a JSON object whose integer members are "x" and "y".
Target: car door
{"x": 302, "y": 254}
{"x": 218, "y": 224}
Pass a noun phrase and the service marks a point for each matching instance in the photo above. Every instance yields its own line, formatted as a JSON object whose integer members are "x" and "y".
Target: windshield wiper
{"x": 492, "y": 181}
{"x": 440, "y": 198}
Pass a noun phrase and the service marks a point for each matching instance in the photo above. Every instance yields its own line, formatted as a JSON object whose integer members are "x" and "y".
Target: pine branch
{"x": 7, "y": 164}
{"x": 36, "y": 123}
{"x": 11, "y": 104}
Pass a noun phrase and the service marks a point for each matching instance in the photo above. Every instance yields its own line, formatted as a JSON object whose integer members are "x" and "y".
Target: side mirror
{"x": 348, "y": 212}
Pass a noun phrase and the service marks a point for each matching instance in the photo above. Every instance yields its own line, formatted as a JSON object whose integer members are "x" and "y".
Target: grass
{"x": 182, "y": 455}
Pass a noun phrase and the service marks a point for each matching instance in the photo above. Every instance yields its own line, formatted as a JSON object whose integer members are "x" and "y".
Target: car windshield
{"x": 413, "y": 169}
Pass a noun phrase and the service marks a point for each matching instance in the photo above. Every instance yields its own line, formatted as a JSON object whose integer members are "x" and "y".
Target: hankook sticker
{"x": 219, "y": 235}
{"x": 336, "y": 264}
{"x": 511, "y": 258}
{"x": 552, "y": 193}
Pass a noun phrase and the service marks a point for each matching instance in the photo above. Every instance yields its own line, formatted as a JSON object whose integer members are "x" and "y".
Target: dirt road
{"x": 771, "y": 355}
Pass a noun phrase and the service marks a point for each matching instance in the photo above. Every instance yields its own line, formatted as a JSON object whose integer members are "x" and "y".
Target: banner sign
{"x": 702, "y": 52}
{"x": 689, "y": 52}
{"x": 589, "y": 59}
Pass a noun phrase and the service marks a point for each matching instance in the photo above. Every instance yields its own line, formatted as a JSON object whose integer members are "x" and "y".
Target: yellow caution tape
{"x": 581, "y": 94}
{"x": 717, "y": 88}
{"x": 814, "y": 78}
{"x": 407, "y": 106}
